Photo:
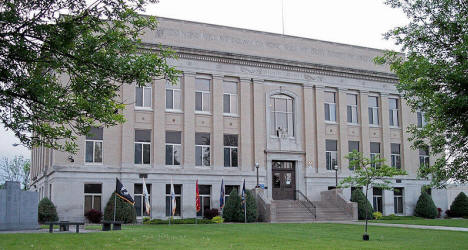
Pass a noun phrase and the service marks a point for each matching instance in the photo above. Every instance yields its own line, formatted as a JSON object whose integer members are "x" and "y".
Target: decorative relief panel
{"x": 143, "y": 117}
{"x": 231, "y": 123}
{"x": 354, "y": 131}
{"x": 331, "y": 129}
{"x": 395, "y": 133}
{"x": 374, "y": 132}
{"x": 174, "y": 119}
{"x": 203, "y": 121}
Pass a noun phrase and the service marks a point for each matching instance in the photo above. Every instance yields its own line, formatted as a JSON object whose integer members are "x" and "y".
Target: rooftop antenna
{"x": 282, "y": 14}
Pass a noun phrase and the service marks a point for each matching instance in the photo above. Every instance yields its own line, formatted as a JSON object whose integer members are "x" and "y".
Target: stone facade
{"x": 262, "y": 65}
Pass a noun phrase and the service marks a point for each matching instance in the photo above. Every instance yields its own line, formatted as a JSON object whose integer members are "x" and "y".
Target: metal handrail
{"x": 306, "y": 201}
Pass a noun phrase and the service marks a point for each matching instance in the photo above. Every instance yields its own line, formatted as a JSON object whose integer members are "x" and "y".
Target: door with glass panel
{"x": 284, "y": 180}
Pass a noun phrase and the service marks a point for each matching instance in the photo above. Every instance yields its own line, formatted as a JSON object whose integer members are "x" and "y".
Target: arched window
{"x": 282, "y": 115}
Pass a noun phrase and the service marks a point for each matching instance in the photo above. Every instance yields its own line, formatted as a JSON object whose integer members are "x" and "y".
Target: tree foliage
{"x": 459, "y": 207}
{"x": 425, "y": 207}
{"x": 433, "y": 78}
{"x": 363, "y": 204}
{"x": 16, "y": 169}
{"x": 47, "y": 211}
{"x": 62, "y": 63}
{"x": 124, "y": 211}
{"x": 232, "y": 211}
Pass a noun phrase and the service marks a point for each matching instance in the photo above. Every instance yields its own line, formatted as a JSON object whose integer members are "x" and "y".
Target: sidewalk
{"x": 460, "y": 229}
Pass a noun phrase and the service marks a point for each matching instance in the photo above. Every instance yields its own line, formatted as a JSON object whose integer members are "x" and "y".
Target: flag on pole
{"x": 122, "y": 192}
{"x": 221, "y": 196}
{"x": 146, "y": 203}
{"x": 173, "y": 200}
{"x": 243, "y": 195}
{"x": 197, "y": 197}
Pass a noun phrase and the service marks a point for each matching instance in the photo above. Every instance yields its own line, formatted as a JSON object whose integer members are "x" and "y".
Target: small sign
{"x": 262, "y": 186}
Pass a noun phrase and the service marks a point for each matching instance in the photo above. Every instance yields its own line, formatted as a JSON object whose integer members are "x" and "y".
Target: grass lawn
{"x": 250, "y": 236}
{"x": 427, "y": 222}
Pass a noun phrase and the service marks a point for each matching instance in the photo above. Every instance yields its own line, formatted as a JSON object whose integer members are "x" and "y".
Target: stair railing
{"x": 306, "y": 202}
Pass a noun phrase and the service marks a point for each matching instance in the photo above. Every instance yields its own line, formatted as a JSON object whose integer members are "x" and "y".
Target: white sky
{"x": 357, "y": 22}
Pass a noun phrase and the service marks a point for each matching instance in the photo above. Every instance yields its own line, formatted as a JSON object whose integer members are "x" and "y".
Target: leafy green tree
{"x": 124, "y": 211}
{"x": 364, "y": 206}
{"x": 47, "y": 211}
{"x": 63, "y": 62}
{"x": 433, "y": 79}
{"x": 425, "y": 206}
{"x": 459, "y": 207}
{"x": 232, "y": 211}
{"x": 251, "y": 207}
{"x": 367, "y": 176}
{"x": 16, "y": 169}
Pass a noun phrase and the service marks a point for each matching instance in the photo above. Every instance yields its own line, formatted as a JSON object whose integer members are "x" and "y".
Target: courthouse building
{"x": 292, "y": 105}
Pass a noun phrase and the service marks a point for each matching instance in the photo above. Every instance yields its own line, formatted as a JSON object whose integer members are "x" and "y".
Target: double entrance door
{"x": 284, "y": 180}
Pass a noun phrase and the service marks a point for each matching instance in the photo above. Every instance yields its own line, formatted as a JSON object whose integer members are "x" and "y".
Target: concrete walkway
{"x": 460, "y": 229}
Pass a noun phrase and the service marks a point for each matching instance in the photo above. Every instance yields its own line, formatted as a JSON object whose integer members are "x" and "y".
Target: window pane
{"x": 92, "y": 188}
{"x": 290, "y": 125}
{"x": 177, "y": 189}
{"x": 227, "y": 157}
{"x": 169, "y": 155}
{"x": 227, "y": 104}
{"x": 95, "y": 134}
{"x": 89, "y": 151}
{"x": 97, "y": 202}
{"x": 138, "y": 151}
{"x": 233, "y": 104}
{"x": 349, "y": 113}
{"x": 234, "y": 157}
{"x": 198, "y": 101}
{"x": 206, "y": 156}
{"x": 143, "y": 135}
{"x": 419, "y": 114}
{"x": 146, "y": 153}
{"x": 230, "y": 87}
{"x": 230, "y": 140}
{"x": 393, "y": 103}
{"x": 281, "y": 121}
{"x": 330, "y": 145}
{"x": 327, "y": 112}
{"x": 333, "y": 112}
{"x": 351, "y": 99}
{"x": 330, "y": 97}
{"x": 198, "y": 156}
{"x": 206, "y": 102}
{"x": 177, "y": 100}
{"x": 202, "y": 84}
{"x": 98, "y": 152}
{"x": 139, "y": 97}
{"x": 373, "y": 101}
{"x": 376, "y": 116}
{"x": 138, "y": 205}
{"x": 204, "y": 189}
{"x": 173, "y": 137}
{"x": 375, "y": 147}
{"x": 202, "y": 139}
{"x": 280, "y": 104}
{"x": 88, "y": 203}
{"x": 177, "y": 154}
{"x": 169, "y": 99}
{"x": 147, "y": 99}
{"x": 353, "y": 145}
{"x": 395, "y": 148}
{"x": 138, "y": 189}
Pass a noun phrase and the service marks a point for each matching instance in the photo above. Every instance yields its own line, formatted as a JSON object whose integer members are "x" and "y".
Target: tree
{"x": 16, "y": 169}
{"x": 233, "y": 211}
{"x": 367, "y": 176}
{"x": 459, "y": 207}
{"x": 125, "y": 212}
{"x": 47, "y": 211}
{"x": 251, "y": 207}
{"x": 62, "y": 63}
{"x": 433, "y": 79}
{"x": 425, "y": 206}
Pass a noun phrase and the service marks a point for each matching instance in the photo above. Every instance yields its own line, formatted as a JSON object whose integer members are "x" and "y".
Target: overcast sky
{"x": 358, "y": 22}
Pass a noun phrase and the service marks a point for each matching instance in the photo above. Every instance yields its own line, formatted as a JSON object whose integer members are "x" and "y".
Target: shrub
{"x": 124, "y": 212}
{"x": 363, "y": 204}
{"x": 93, "y": 216}
{"x": 459, "y": 207}
{"x": 210, "y": 213}
{"x": 251, "y": 207}
{"x": 47, "y": 211}
{"x": 217, "y": 219}
{"x": 377, "y": 215}
{"x": 425, "y": 207}
{"x": 232, "y": 211}
{"x": 146, "y": 219}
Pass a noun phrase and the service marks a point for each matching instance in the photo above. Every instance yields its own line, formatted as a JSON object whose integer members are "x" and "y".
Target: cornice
{"x": 272, "y": 63}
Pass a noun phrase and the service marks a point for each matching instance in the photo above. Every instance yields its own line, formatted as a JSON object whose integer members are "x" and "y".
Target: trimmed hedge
{"x": 425, "y": 207}
{"x": 459, "y": 207}
{"x": 358, "y": 196}
{"x": 125, "y": 211}
{"x": 47, "y": 211}
{"x": 178, "y": 221}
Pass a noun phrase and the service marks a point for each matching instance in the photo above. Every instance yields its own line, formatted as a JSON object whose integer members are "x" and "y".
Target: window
{"x": 178, "y": 196}
{"x": 353, "y": 146}
{"x": 173, "y": 147}
{"x": 330, "y": 106}
{"x": 140, "y": 200}
{"x": 230, "y": 150}
{"x": 142, "y": 146}
{"x": 331, "y": 154}
{"x": 393, "y": 112}
{"x": 282, "y": 115}
{"x": 94, "y": 146}
{"x": 173, "y": 96}
{"x": 395, "y": 157}
{"x": 398, "y": 200}
{"x": 230, "y": 97}
{"x": 378, "y": 201}
{"x": 143, "y": 97}
{"x": 205, "y": 199}
{"x": 92, "y": 197}
{"x": 423, "y": 157}
{"x": 352, "y": 108}
{"x": 421, "y": 119}
{"x": 202, "y": 149}
{"x": 374, "y": 153}
{"x": 202, "y": 94}
{"x": 373, "y": 110}
{"x": 228, "y": 189}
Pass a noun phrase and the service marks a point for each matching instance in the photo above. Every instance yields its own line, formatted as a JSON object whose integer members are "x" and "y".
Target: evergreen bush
{"x": 251, "y": 207}
{"x": 232, "y": 211}
{"x": 459, "y": 207}
{"x": 47, "y": 211}
{"x": 425, "y": 207}
{"x": 125, "y": 212}
{"x": 358, "y": 196}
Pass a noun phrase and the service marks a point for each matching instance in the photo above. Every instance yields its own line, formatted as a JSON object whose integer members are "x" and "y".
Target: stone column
{"x": 364, "y": 111}
{"x": 309, "y": 131}
{"x": 385, "y": 145}
{"x": 320, "y": 125}
{"x": 259, "y": 122}
{"x": 409, "y": 157}
{"x": 128, "y": 128}
{"x": 189, "y": 120}
{"x": 188, "y": 200}
{"x": 158, "y": 200}
{"x": 218, "y": 120}
{"x": 343, "y": 131}
{"x": 246, "y": 136}
{"x": 159, "y": 119}
{"x": 387, "y": 196}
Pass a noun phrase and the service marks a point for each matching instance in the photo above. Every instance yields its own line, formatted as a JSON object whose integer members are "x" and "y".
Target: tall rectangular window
{"x": 205, "y": 199}
{"x": 140, "y": 200}
{"x": 352, "y": 108}
{"x": 375, "y": 153}
{"x": 331, "y": 154}
{"x": 94, "y": 145}
{"x": 202, "y": 94}
{"x": 393, "y": 112}
{"x": 173, "y": 147}
{"x": 423, "y": 157}
{"x": 353, "y": 146}
{"x": 142, "y": 146}
{"x": 143, "y": 97}
{"x": 398, "y": 200}
{"x": 330, "y": 106}
{"x": 173, "y": 96}
{"x": 421, "y": 119}
{"x": 395, "y": 156}
{"x": 92, "y": 197}
{"x": 178, "y": 198}
{"x": 202, "y": 149}
{"x": 230, "y": 97}
{"x": 282, "y": 115}
{"x": 231, "y": 150}
{"x": 373, "y": 110}
{"x": 378, "y": 200}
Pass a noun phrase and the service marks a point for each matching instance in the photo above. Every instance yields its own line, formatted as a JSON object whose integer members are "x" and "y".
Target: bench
{"x": 64, "y": 225}
{"x": 116, "y": 225}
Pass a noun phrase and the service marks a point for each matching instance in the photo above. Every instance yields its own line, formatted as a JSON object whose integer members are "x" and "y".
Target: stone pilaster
{"x": 320, "y": 125}
{"x": 364, "y": 146}
{"x": 343, "y": 130}
{"x": 189, "y": 120}
{"x": 128, "y": 128}
{"x": 309, "y": 130}
{"x": 259, "y": 122}
{"x": 246, "y": 135}
{"x": 159, "y": 132}
{"x": 385, "y": 144}
{"x": 218, "y": 120}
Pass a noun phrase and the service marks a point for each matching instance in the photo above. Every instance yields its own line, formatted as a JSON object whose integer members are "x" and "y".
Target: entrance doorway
{"x": 284, "y": 180}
